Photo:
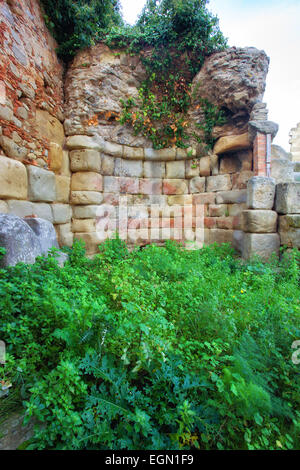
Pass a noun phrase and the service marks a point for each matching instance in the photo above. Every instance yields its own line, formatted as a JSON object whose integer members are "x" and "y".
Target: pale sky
{"x": 271, "y": 25}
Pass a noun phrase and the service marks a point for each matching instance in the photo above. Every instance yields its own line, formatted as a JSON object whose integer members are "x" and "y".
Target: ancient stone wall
{"x": 295, "y": 143}
{"x": 34, "y": 168}
{"x": 65, "y": 157}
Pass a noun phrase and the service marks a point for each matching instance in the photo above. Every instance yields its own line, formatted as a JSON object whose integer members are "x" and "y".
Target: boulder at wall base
{"x": 25, "y": 239}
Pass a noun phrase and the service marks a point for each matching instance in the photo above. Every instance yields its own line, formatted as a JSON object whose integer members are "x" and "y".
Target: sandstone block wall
{"x": 65, "y": 157}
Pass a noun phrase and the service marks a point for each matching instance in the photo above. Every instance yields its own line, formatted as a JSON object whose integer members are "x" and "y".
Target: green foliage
{"x": 80, "y": 23}
{"x": 160, "y": 348}
{"x": 173, "y": 37}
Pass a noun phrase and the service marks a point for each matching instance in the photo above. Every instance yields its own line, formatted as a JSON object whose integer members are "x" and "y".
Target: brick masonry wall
{"x": 34, "y": 167}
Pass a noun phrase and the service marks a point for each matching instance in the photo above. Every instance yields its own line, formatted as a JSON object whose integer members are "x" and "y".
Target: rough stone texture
{"x": 3, "y": 207}
{"x": 219, "y": 183}
{"x": 175, "y": 169}
{"x": 261, "y": 193}
{"x": 128, "y": 168}
{"x": 261, "y": 244}
{"x": 41, "y": 184}
{"x": 154, "y": 170}
{"x": 197, "y": 185}
{"x": 259, "y": 221}
{"x": 13, "y": 179}
{"x": 282, "y": 171}
{"x": 25, "y": 239}
{"x": 61, "y": 213}
{"x": 288, "y": 198}
{"x": 44, "y": 232}
{"x": 231, "y": 197}
{"x": 14, "y": 433}
{"x": 236, "y": 91}
{"x": 55, "y": 156}
{"x": 232, "y": 143}
{"x": 263, "y": 127}
{"x": 229, "y": 164}
{"x": 238, "y": 241}
{"x": 62, "y": 186}
{"x": 86, "y": 197}
{"x": 205, "y": 166}
{"x": 64, "y": 234}
{"x": 85, "y": 160}
{"x": 289, "y": 230}
{"x": 33, "y": 88}
{"x": 86, "y": 181}
{"x": 174, "y": 186}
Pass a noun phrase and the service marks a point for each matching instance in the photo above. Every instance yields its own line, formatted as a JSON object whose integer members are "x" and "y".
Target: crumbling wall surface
{"x": 108, "y": 161}
{"x": 295, "y": 143}
{"x": 34, "y": 168}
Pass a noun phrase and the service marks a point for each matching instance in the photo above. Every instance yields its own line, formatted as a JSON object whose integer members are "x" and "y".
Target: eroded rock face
{"x": 99, "y": 78}
{"x": 234, "y": 78}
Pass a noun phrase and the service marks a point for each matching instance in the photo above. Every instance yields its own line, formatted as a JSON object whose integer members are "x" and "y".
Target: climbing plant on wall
{"x": 172, "y": 37}
{"x": 77, "y": 24}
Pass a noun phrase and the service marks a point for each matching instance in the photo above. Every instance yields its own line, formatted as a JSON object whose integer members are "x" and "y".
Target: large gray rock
{"x": 288, "y": 198}
{"x": 20, "y": 242}
{"x": 234, "y": 78}
{"x": 261, "y": 193}
{"x": 261, "y": 244}
{"x": 25, "y": 239}
{"x": 263, "y": 127}
{"x": 45, "y": 232}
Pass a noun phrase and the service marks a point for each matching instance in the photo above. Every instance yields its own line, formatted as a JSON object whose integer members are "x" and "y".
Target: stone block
{"x": 160, "y": 155}
{"x": 240, "y": 180}
{"x": 192, "y": 168}
{"x": 128, "y": 168}
{"x": 205, "y": 198}
{"x": 86, "y": 212}
{"x": 175, "y": 169}
{"x": 246, "y": 159}
{"x": 197, "y": 185}
{"x": 232, "y": 143}
{"x": 261, "y": 193}
{"x": 65, "y": 166}
{"x": 21, "y": 208}
{"x": 236, "y": 209}
{"x": 150, "y": 186}
{"x": 205, "y": 166}
{"x": 288, "y": 198}
{"x": 261, "y": 244}
{"x": 61, "y": 213}
{"x": 41, "y": 184}
{"x": 218, "y": 210}
{"x": 86, "y": 197}
{"x": 214, "y": 164}
{"x": 238, "y": 240}
{"x": 220, "y": 236}
{"x": 229, "y": 164}
{"x": 84, "y": 142}
{"x": 86, "y": 181}
{"x": 182, "y": 200}
{"x": 111, "y": 184}
{"x": 13, "y": 179}
{"x": 64, "y": 234}
{"x": 85, "y": 160}
{"x": 154, "y": 169}
{"x": 282, "y": 171}
{"x": 133, "y": 153}
{"x": 43, "y": 211}
{"x": 108, "y": 165}
{"x": 48, "y": 127}
{"x": 55, "y": 156}
{"x": 231, "y": 197}
{"x": 91, "y": 241}
{"x": 259, "y": 221}
{"x": 289, "y": 230}
{"x": 129, "y": 185}
{"x": 12, "y": 149}
{"x": 110, "y": 148}
{"x": 175, "y": 186}
{"x": 84, "y": 225}
{"x": 62, "y": 185}
{"x": 3, "y": 207}
{"x": 218, "y": 183}
{"x": 225, "y": 223}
